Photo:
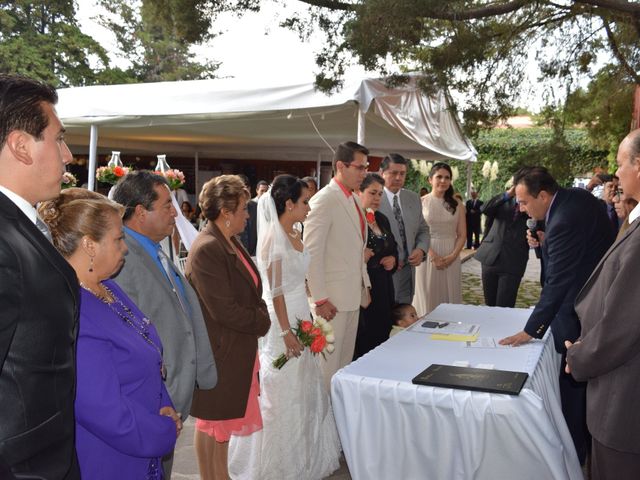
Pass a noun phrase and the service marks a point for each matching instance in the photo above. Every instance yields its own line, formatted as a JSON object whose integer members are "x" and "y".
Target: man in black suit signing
{"x": 38, "y": 292}
{"x": 577, "y": 235}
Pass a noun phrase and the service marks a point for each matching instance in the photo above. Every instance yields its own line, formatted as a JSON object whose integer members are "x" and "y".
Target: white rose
{"x": 330, "y": 338}
{"x": 486, "y": 169}
{"x": 329, "y": 348}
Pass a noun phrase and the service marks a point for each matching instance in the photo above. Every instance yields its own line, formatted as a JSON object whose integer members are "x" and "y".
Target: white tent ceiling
{"x": 218, "y": 119}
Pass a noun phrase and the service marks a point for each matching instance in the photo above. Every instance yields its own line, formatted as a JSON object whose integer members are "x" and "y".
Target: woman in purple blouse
{"x": 125, "y": 421}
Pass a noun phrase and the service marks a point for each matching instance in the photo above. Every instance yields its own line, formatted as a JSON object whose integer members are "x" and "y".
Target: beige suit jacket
{"x": 333, "y": 238}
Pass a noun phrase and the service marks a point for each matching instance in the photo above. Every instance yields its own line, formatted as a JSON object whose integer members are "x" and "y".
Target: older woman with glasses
{"x": 125, "y": 421}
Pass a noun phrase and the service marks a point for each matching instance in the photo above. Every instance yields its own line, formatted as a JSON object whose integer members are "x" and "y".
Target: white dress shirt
{"x": 390, "y": 196}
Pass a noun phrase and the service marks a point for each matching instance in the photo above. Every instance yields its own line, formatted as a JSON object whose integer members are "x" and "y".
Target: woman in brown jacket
{"x": 230, "y": 291}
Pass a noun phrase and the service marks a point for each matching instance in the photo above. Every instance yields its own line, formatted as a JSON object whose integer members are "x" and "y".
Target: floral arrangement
{"x": 68, "y": 180}
{"x": 370, "y": 216}
{"x": 174, "y": 176}
{"x": 111, "y": 174}
{"x": 317, "y": 335}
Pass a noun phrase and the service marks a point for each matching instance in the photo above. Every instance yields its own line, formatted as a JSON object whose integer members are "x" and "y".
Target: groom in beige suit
{"x": 335, "y": 235}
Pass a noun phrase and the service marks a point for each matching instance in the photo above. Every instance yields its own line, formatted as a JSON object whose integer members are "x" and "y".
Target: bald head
{"x": 628, "y": 160}
{"x": 632, "y": 144}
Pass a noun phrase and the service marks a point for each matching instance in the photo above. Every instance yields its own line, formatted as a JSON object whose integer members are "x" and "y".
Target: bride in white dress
{"x": 299, "y": 440}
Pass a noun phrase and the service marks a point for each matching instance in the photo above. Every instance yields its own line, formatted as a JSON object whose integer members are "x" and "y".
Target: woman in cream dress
{"x": 438, "y": 280}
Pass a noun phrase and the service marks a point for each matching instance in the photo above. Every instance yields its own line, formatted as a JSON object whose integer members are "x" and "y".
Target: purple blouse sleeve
{"x": 115, "y": 401}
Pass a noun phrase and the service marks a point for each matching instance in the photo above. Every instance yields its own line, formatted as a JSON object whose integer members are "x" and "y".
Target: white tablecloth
{"x": 392, "y": 429}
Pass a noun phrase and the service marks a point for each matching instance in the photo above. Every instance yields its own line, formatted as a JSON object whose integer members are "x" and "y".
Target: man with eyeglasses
{"x": 335, "y": 236}
{"x": 404, "y": 210}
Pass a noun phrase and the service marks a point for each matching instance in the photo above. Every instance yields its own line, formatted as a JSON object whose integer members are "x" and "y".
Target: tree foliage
{"x": 42, "y": 39}
{"x": 604, "y": 107}
{"x": 155, "y": 39}
{"x": 479, "y": 49}
{"x": 567, "y": 154}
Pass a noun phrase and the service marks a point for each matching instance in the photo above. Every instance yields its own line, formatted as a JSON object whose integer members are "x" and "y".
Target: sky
{"x": 251, "y": 47}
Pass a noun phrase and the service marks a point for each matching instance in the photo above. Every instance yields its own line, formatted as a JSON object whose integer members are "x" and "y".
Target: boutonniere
{"x": 370, "y": 215}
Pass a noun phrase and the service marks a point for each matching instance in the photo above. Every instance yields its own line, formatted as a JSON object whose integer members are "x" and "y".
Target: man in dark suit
{"x": 249, "y": 237}
{"x": 38, "y": 292}
{"x": 473, "y": 207}
{"x": 504, "y": 252}
{"x": 403, "y": 208}
{"x": 577, "y": 234}
{"x": 607, "y": 352}
{"x": 608, "y": 193}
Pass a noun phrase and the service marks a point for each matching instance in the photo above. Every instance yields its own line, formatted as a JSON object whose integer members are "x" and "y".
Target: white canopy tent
{"x": 219, "y": 119}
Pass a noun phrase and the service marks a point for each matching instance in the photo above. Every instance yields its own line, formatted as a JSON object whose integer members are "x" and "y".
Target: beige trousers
{"x": 345, "y": 327}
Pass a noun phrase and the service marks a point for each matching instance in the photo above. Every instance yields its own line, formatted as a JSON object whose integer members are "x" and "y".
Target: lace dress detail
{"x": 299, "y": 439}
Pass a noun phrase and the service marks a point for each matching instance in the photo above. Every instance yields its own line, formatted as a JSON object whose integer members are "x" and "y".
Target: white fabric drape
{"x": 186, "y": 230}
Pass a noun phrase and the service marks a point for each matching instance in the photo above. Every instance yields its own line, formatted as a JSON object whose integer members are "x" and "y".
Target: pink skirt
{"x": 222, "y": 430}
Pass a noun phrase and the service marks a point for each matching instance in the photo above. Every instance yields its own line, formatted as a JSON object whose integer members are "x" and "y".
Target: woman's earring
{"x": 91, "y": 265}
{"x": 227, "y": 224}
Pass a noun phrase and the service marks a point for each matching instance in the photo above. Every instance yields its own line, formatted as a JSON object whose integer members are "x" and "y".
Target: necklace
{"x": 129, "y": 317}
{"x": 105, "y": 297}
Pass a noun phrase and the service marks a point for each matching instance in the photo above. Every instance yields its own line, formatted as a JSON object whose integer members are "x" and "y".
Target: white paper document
{"x": 444, "y": 327}
{"x": 486, "y": 342}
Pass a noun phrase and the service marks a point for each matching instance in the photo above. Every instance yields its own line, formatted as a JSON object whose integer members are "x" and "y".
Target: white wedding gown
{"x": 299, "y": 440}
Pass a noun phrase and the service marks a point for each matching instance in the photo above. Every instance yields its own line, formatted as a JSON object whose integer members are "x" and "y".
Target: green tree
{"x": 479, "y": 49}
{"x": 605, "y": 108}
{"x": 42, "y": 39}
{"x": 155, "y": 38}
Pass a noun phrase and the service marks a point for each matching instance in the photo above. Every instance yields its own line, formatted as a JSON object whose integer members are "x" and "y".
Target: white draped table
{"x": 392, "y": 429}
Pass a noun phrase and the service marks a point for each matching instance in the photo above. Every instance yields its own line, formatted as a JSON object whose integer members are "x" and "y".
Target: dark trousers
{"x": 473, "y": 230}
{"x": 610, "y": 464}
{"x": 500, "y": 288}
{"x": 573, "y": 396}
{"x": 167, "y": 465}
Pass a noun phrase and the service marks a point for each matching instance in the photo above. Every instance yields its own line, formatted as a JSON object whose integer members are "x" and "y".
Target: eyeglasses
{"x": 618, "y": 193}
{"x": 360, "y": 168}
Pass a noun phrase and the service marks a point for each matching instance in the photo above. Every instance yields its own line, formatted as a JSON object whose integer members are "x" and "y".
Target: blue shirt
{"x": 152, "y": 248}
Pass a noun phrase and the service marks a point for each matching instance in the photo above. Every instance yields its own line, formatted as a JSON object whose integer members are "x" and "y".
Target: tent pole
{"x": 93, "y": 147}
{"x": 361, "y": 128}
{"x": 469, "y": 179}
{"x": 318, "y": 165}
{"x": 197, "y": 165}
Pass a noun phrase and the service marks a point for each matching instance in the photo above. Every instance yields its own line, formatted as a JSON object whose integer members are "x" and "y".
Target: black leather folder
{"x": 467, "y": 378}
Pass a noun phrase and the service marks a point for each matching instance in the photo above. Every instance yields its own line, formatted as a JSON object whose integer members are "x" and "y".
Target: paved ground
{"x": 185, "y": 464}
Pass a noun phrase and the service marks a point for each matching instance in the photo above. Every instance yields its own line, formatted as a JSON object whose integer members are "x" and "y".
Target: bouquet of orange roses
{"x": 317, "y": 335}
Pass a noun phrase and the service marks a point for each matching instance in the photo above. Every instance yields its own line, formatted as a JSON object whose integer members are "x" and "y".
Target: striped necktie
{"x": 403, "y": 234}
{"x": 165, "y": 261}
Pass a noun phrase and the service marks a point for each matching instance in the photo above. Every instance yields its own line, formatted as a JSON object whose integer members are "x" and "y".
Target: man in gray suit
{"x": 606, "y": 353}
{"x": 161, "y": 291}
{"x": 404, "y": 211}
